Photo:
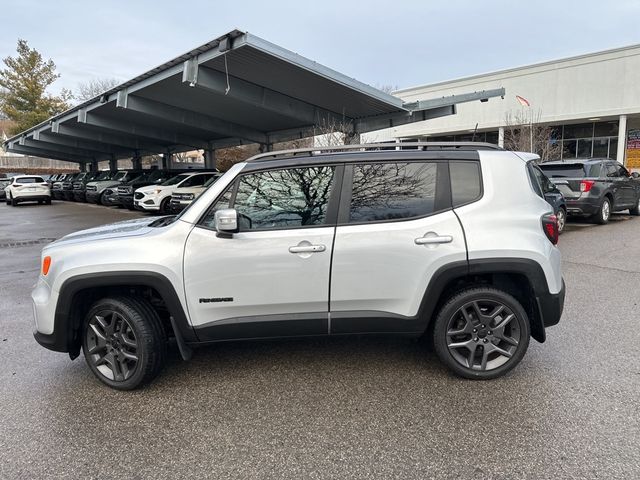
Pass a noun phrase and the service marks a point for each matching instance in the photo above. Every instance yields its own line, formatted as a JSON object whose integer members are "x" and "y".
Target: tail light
{"x": 550, "y": 227}
{"x": 586, "y": 185}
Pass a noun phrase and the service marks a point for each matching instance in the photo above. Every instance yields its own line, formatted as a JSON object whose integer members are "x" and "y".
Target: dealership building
{"x": 591, "y": 102}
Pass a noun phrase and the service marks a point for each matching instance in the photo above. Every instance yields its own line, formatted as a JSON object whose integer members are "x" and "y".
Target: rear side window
{"x": 466, "y": 185}
{"x": 30, "y": 180}
{"x": 394, "y": 191}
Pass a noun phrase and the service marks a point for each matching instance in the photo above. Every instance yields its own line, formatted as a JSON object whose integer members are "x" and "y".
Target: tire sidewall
{"x": 142, "y": 351}
{"x": 451, "y": 307}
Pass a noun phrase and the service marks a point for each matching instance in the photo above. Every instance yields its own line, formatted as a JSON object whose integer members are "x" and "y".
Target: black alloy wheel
{"x": 481, "y": 333}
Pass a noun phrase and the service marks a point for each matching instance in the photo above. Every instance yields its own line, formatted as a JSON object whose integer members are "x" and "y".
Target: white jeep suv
{"x": 454, "y": 241}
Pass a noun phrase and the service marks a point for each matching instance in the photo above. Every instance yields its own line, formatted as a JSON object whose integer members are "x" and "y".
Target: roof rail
{"x": 364, "y": 147}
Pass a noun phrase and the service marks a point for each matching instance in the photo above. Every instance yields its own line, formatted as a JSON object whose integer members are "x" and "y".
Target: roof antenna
{"x": 473, "y": 138}
{"x": 226, "y": 70}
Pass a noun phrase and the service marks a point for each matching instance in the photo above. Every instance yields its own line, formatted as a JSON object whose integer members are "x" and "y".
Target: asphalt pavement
{"x": 331, "y": 408}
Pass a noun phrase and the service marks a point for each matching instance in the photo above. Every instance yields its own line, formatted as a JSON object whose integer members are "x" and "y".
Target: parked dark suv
{"x": 552, "y": 195}
{"x": 595, "y": 187}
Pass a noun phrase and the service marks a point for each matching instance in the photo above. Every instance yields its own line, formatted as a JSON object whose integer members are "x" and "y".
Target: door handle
{"x": 307, "y": 248}
{"x": 433, "y": 239}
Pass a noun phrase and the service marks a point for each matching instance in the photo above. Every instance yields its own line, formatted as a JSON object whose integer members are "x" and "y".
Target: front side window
{"x": 393, "y": 191}
{"x": 290, "y": 198}
{"x": 612, "y": 171}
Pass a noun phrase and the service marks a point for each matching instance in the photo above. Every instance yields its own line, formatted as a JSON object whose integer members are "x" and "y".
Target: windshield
{"x": 120, "y": 175}
{"x": 155, "y": 175}
{"x": 571, "y": 170}
{"x": 104, "y": 176}
{"x": 175, "y": 180}
{"x": 211, "y": 181}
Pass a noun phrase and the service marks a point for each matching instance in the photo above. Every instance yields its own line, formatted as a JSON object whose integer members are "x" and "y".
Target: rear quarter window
{"x": 466, "y": 182}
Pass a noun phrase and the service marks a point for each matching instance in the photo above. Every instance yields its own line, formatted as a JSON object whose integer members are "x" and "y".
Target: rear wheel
{"x": 48, "y": 201}
{"x": 604, "y": 213}
{"x": 124, "y": 342}
{"x": 14, "y": 201}
{"x": 481, "y": 333}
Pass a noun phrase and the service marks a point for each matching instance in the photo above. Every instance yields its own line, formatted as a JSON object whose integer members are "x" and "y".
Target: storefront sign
{"x": 633, "y": 149}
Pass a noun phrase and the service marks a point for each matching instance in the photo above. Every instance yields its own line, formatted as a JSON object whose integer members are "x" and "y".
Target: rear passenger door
{"x": 395, "y": 229}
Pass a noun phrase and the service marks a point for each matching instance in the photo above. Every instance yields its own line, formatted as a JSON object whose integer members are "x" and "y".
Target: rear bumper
{"x": 551, "y": 306}
{"x": 588, "y": 206}
{"x": 32, "y": 198}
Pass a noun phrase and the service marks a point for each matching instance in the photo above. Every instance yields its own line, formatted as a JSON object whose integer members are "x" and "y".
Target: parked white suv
{"x": 156, "y": 198}
{"x": 27, "y": 188}
{"x": 450, "y": 240}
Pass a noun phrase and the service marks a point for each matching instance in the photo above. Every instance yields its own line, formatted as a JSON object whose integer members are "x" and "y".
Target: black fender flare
{"x": 65, "y": 336}
{"x": 547, "y": 307}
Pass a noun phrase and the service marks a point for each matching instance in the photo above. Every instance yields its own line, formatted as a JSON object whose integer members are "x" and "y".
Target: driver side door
{"x": 271, "y": 279}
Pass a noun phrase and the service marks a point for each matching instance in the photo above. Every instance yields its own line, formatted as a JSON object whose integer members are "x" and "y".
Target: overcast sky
{"x": 399, "y": 43}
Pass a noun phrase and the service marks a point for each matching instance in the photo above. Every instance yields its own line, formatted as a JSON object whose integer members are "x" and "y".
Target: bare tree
{"x": 387, "y": 88}
{"x": 94, "y": 88}
{"x": 521, "y": 131}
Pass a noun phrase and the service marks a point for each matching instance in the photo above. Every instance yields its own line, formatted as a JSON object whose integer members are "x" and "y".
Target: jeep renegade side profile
{"x": 451, "y": 240}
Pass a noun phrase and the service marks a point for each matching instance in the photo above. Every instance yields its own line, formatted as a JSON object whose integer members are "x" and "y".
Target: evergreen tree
{"x": 23, "y": 84}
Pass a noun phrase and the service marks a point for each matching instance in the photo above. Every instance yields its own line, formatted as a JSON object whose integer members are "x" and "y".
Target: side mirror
{"x": 226, "y": 222}
{"x": 635, "y": 175}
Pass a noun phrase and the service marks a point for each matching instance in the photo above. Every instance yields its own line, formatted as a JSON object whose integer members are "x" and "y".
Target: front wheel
{"x": 124, "y": 342}
{"x": 164, "y": 206}
{"x": 481, "y": 333}
{"x": 635, "y": 211}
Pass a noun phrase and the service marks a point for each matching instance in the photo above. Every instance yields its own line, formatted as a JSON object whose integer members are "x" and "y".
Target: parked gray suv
{"x": 595, "y": 187}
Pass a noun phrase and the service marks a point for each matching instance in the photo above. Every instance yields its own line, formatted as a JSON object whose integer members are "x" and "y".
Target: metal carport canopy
{"x": 234, "y": 90}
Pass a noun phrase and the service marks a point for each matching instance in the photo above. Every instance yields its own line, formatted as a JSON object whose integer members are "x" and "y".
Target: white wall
{"x": 603, "y": 85}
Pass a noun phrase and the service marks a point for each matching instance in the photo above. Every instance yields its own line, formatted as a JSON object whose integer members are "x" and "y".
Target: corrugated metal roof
{"x": 235, "y": 89}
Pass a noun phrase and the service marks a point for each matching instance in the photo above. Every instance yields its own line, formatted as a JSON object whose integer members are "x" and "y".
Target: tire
{"x": 111, "y": 328}
{"x": 635, "y": 211}
{"x": 474, "y": 331}
{"x": 164, "y": 206}
{"x": 14, "y": 201}
{"x": 604, "y": 212}
{"x": 100, "y": 200}
{"x": 47, "y": 201}
{"x": 561, "y": 215}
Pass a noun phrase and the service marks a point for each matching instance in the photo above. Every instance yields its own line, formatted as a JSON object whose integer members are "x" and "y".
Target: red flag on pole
{"x": 523, "y": 101}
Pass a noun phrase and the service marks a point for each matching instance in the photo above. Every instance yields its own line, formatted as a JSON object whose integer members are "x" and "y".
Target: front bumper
{"x": 79, "y": 195}
{"x": 126, "y": 200}
{"x": 551, "y": 306}
{"x": 176, "y": 206}
{"x": 57, "y": 194}
{"x": 92, "y": 196}
{"x": 67, "y": 195}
